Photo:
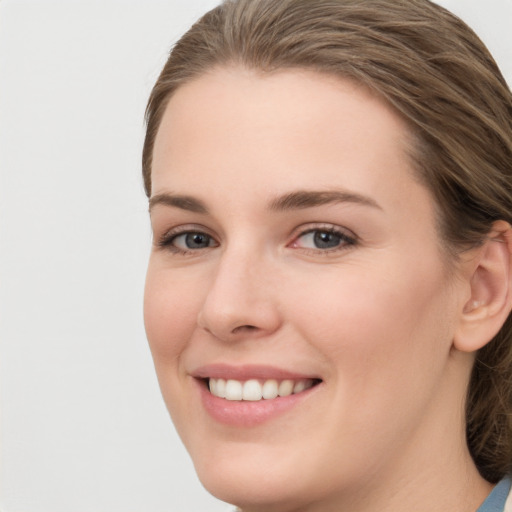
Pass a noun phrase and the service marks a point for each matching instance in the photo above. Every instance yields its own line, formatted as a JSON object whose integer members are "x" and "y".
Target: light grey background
{"x": 82, "y": 424}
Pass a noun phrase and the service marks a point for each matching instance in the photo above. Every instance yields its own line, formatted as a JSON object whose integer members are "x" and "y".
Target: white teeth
{"x": 252, "y": 391}
{"x": 220, "y": 388}
{"x": 302, "y": 385}
{"x": 233, "y": 390}
{"x": 270, "y": 389}
{"x": 299, "y": 386}
{"x": 255, "y": 390}
{"x": 286, "y": 388}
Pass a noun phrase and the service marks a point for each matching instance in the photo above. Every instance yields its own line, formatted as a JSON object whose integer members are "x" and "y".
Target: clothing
{"x": 495, "y": 502}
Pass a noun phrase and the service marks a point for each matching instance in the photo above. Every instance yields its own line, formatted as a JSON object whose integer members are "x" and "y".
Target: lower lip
{"x": 244, "y": 413}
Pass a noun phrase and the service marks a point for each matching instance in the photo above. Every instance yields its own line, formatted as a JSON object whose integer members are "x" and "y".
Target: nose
{"x": 240, "y": 301}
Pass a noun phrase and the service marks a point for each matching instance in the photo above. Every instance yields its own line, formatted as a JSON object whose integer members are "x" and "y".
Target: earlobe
{"x": 490, "y": 300}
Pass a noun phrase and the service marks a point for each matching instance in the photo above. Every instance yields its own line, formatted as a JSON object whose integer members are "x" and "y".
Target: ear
{"x": 490, "y": 281}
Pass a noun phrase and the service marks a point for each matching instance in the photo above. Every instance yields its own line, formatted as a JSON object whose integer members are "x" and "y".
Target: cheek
{"x": 385, "y": 350}
{"x": 170, "y": 315}
{"x": 378, "y": 327}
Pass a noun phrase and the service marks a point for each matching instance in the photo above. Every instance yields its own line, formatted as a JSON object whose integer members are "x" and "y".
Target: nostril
{"x": 242, "y": 328}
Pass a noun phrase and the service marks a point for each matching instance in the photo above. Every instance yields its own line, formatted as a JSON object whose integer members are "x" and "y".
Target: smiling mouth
{"x": 255, "y": 390}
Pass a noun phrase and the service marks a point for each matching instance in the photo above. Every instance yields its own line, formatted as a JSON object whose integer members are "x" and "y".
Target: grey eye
{"x": 326, "y": 239}
{"x": 318, "y": 239}
{"x": 193, "y": 240}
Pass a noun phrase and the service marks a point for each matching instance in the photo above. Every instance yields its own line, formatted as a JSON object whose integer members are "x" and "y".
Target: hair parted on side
{"x": 442, "y": 80}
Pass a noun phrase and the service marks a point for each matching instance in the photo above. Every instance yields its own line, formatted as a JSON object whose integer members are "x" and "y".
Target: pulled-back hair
{"x": 441, "y": 79}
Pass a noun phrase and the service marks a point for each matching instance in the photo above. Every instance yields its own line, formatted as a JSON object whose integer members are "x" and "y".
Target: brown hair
{"x": 440, "y": 77}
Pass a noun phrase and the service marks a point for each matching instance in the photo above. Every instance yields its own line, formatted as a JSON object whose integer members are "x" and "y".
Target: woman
{"x": 329, "y": 290}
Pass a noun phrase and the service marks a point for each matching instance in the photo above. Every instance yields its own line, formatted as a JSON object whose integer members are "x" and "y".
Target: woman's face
{"x": 293, "y": 243}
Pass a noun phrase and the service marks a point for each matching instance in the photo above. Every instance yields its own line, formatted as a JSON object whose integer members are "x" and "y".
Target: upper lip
{"x": 246, "y": 372}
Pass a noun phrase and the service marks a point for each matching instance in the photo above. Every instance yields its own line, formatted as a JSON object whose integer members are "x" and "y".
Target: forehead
{"x": 230, "y": 111}
{"x": 248, "y": 136}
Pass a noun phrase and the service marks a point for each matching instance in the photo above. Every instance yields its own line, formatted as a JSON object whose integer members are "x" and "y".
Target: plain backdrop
{"x": 82, "y": 426}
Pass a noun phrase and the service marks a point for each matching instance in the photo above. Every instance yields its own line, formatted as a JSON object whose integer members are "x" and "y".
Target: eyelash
{"x": 167, "y": 240}
{"x": 346, "y": 240}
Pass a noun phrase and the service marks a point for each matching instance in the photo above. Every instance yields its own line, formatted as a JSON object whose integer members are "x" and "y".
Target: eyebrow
{"x": 302, "y": 199}
{"x": 187, "y": 203}
{"x": 297, "y": 200}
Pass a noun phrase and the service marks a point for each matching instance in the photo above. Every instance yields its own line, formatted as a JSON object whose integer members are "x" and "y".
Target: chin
{"x": 259, "y": 478}
{"x": 254, "y": 490}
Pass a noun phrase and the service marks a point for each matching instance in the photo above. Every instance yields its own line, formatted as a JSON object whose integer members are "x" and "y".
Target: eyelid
{"x": 322, "y": 226}
{"x": 349, "y": 237}
{"x": 164, "y": 241}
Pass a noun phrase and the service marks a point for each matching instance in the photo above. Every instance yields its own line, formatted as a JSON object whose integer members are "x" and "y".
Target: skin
{"x": 374, "y": 318}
